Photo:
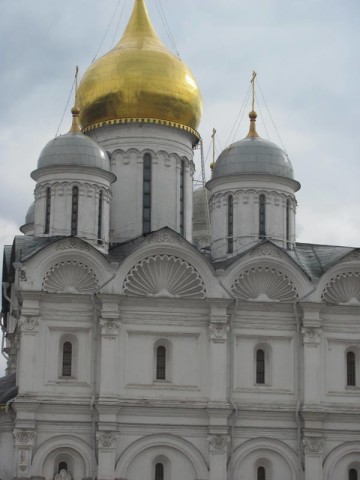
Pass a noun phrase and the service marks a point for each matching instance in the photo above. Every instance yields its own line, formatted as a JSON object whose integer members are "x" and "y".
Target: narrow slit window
{"x": 47, "y": 210}
{"x": 100, "y": 214}
{"x": 74, "y": 210}
{"x": 67, "y": 360}
{"x": 351, "y": 369}
{"x": 262, "y": 214}
{"x": 260, "y": 367}
{"x": 159, "y": 471}
{"x": 147, "y": 194}
{"x": 161, "y": 363}
{"x": 288, "y": 239}
{"x": 353, "y": 474}
{"x": 182, "y": 197}
{"x": 261, "y": 473}
{"x": 230, "y": 224}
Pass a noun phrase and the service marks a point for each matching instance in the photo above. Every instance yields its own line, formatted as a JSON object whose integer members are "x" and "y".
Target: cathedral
{"x": 153, "y": 332}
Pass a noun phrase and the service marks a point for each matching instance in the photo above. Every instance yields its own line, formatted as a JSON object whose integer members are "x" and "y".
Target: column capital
{"x": 313, "y": 446}
{"x": 311, "y": 336}
{"x": 110, "y": 327}
{"x": 218, "y": 332}
{"x": 219, "y": 443}
{"x": 106, "y": 440}
{"x": 24, "y": 438}
{"x": 29, "y": 324}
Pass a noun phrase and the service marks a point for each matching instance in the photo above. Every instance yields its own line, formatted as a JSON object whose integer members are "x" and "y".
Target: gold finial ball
{"x": 212, "y": 165}
{"x": 253, "y": 115}
{"x": 75, "y": 110}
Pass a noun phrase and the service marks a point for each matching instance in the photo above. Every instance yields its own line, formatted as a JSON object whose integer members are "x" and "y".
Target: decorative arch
{"x": 343, "y": 288}
{"x": 164, "y": 276}
{"x": 68, "y": 445}
{"x": 70, "y": 276}
{"x": 349, "y": 452}
{"x": 157, "y": 440}
{"x": 265, "y": 448}
{"x": 264, "y": 283}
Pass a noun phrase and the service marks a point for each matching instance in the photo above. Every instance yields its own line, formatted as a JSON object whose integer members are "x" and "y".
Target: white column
{"x": 219, "y": 445}
{"x": 106, "y": 443}
{"x": 24, "y": 444}
{"x": 313, "y": 450}
{"x": 110, "y": 325}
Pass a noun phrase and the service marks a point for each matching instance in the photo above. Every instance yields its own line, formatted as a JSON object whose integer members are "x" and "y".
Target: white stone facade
{"x": 209, "y": 418}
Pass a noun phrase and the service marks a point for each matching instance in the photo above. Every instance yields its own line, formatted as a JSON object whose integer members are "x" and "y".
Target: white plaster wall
{"x": 6, "y": 449}
{"x": 127, "y": 145}
{"x": 246, "y": 191}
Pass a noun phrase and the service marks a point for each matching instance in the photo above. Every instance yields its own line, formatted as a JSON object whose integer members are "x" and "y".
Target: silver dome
{"x": 30, "y": 215}
{"x": 253, "y": 155}
{"x": 73, "y": 148}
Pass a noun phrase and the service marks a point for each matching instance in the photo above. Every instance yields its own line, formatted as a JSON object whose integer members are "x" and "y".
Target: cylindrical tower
{"x": 252, "y": 196}
{"x": 142, "y": 105}
{"x": 72, "y": 194}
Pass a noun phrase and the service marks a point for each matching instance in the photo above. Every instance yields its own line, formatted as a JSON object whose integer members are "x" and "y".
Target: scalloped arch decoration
{"x": 70, "y": 277}
{"x": 343, "y": 289}
{"x": 264, "y": 284}
{"x": 164, "y": 276}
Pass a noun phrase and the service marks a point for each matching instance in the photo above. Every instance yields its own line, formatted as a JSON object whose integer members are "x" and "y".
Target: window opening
{"x": 262, "y": 216}
{"x": 351, "y": 369}
{"x": 74, "y": 210}
{"x": 147, "y": 194}
{"x": 260, "y": 366}
{"x": 67, "y": 359}
{"x": 182, "y": 197}
{"x": 100, "y": 217}
{"x": 261, "y": 473}
{"x": 161, "y": 363}
{"x": 159, "y": 471}
{"x": 288, "y": 222}
{"x": 47, "y": 210}
{"x": 230, "y": 224}
{"x": 353, "y": 475}
{"x": 62, "y": 466}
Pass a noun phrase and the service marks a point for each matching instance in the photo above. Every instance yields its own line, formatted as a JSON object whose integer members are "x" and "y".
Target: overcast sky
{"x": 306, "y": 54}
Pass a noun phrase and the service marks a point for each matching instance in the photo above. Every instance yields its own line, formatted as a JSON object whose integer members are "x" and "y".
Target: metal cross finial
{"x": 253, "y": 90}
{"x": 213, "y": 139}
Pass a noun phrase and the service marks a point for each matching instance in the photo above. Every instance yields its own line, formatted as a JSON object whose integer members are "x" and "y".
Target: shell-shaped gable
{"x": 164, "y": 276}
{"x": 264, "y": 284}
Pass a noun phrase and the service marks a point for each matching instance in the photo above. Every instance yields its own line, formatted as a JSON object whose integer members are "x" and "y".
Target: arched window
{"x": 100, "y": 213}
{"x": 62, "y": 466}
{"x": 230, "y": 224}
{"x": 353, "y": 474}
{"x": 47, "y": 210}
{"x": 261, "y": 473}
{"x": 260, "y": 367}
{"x": 288, "y": 239}
{"x": 161, "y": 363}
{"x": 67, "y": 359}
{"x": 147, "y": 194}
{"x": 182, "y": 196}
{"x": 351, "y": 369}
{"x": 262, "y": 232}
{"x": 74, "y": 210}
{"x": 159, "y": 471}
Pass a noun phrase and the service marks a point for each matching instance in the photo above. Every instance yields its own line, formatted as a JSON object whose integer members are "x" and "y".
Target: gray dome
{"x": 73, "y": 148}
{"x": 30, "y": 215}
{"x": 253, "y": 155}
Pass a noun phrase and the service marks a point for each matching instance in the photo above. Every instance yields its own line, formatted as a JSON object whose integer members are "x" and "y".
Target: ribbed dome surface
{"x": 73, "y": 148}
{"x": 253, "y": 155}
{"x": 139, "y": 80}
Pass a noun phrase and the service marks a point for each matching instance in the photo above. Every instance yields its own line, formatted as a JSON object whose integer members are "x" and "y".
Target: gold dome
{"x": 139, "y": 80}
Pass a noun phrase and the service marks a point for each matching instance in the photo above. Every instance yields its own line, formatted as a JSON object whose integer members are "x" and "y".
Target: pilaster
{"x": 313, "y": 451}
{"x": 24, "y": 445}
{"x": 106, "y": 444}
{"x": 219, "y": 447}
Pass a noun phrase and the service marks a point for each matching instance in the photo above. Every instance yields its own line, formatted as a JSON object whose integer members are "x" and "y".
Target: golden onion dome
{"x": 139, "y": 80}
